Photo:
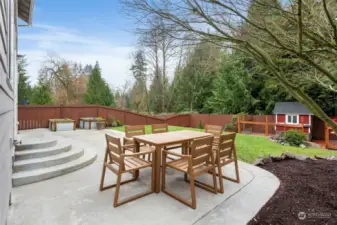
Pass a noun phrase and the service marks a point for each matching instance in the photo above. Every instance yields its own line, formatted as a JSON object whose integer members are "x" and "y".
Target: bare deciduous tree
{"x": 301, "y": 30}
{"x": 160, "y": 48}
{"x": 63, "y": 77}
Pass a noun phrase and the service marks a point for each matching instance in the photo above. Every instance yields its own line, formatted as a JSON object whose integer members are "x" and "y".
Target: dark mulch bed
{"x": 308, "y": 186}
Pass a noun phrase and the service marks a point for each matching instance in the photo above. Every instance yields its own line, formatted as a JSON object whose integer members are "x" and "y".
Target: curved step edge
{"x": 40, "y": 153}
{"x": 38, "y": 163}
{"x": 28, "y": 177}
{"x": 35, "y": 145}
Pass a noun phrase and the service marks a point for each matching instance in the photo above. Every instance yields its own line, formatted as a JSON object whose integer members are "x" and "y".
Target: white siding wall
{"x": 8, "y": 81}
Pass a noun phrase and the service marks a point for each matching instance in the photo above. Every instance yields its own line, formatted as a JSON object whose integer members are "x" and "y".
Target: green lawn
{"x": 250, "y": 147}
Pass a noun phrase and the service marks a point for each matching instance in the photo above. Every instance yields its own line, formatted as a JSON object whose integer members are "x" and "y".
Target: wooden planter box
{"x": 90, "y": 122}
{"x": 61, "y": 125}
{"x": 100, "y": 125}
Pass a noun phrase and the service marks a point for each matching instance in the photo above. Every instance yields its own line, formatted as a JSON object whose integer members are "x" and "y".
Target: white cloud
{"x": 44, "y": 40}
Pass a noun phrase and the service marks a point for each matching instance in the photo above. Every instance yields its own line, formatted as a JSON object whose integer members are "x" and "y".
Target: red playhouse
{"x": 293, "y": 115}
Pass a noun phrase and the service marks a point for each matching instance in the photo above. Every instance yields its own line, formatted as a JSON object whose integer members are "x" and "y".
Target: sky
{"x": 82, "y": 31}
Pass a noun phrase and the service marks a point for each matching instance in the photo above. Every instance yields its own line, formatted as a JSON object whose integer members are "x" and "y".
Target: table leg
{"x": 137, "y": 149}
{"x": 157, "y": 173}
{"x": 185, "y": 152}
{"x": 184, "y": 148}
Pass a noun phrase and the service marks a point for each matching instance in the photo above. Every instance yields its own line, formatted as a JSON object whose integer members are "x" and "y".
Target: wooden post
{"x": 61, "y": 111}
{"x": 266, "y": 127}
{"x": 244, "y": 119}
{"x": 238, "y": 121}
{"x": 326, "y": 135}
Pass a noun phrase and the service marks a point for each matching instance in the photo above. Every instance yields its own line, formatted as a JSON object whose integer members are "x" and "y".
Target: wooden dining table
{"x": 160, "y": 140}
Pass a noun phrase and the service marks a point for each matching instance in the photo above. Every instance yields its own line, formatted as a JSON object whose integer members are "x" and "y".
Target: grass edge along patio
{"x": 250, "y": 147}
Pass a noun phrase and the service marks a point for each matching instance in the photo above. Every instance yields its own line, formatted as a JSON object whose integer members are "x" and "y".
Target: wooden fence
{"x": 37, "y": 116}
{"x": 256, "y": 124}
{"x": 263, "y": 124}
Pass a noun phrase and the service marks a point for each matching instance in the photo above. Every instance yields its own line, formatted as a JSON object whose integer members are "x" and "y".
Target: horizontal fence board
{"x": 37, "y": 116}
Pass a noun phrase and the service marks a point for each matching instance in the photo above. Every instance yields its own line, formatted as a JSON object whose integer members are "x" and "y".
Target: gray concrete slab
{"x": 75, "y": 199}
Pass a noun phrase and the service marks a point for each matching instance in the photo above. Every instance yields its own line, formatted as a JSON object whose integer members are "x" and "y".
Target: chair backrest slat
{"x": 113, "y": 155}
{"x": 203, "y": 159}
{"x": 131, "y": 131}
{"x": 226, "y": 145}
{"x": 114, "y": 148}
{"x": 201, "y": 150}
{"x": 213, "y": 129}
{"x": 159, "y": 128}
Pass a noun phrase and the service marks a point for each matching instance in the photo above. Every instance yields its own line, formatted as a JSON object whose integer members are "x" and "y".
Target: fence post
{"x": 326, "y": 128}
{"x": 266, "y": 132}
{"x": 61, "y": 111}
{"x": 238, "y": 121}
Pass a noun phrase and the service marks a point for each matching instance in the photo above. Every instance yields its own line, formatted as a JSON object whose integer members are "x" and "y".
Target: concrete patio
{"x": 75, "y": 198}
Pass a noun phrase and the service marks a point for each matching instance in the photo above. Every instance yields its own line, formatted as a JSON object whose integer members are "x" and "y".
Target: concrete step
{"x": 42, "y": 152}
{"x": 32, "y": 176}
{"x": 38, "y": 163}
{"x": 35, "y": 144}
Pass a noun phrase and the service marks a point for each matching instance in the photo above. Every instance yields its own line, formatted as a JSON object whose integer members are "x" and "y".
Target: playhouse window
{"x": 292, "y": 119}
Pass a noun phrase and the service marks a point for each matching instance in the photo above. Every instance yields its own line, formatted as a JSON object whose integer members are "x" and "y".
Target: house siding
{"x": 7, "y": 100}
{"x": 303, "y": 119}
{"x": 281, "y": 118}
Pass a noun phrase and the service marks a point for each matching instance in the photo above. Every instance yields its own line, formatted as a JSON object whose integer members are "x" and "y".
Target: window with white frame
{"x": 292, "y": 119}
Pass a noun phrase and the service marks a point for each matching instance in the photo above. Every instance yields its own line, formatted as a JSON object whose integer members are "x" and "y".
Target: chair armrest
{"x": 129, "y": 145}
{"x": 140, "y": 153}
{"x": 127, "y": 139}
{"x": 175, "y": 154}
{"x": 130, "y": 140}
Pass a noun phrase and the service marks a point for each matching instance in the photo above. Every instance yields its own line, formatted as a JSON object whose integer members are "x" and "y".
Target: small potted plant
{"x": 233, "y": 125}
{"x": 100, "y": 123}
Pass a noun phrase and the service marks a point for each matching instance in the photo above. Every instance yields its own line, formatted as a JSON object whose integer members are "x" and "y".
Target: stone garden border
{"x": 287, "y": 155}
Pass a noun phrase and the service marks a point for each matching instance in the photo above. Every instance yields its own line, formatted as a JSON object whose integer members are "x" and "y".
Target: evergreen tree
{"x": 232, "y": 88}
{"x": 41, "y": 93}
{"x": 193, "y": 82}
{"x": 98, "y": 91}
{"x": 24, "y": 88}
{"x": 139, "y": 92}
{"x": 158, "y": 93}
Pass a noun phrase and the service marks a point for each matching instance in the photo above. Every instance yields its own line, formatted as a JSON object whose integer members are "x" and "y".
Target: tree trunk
{"x": 164, "y": 76}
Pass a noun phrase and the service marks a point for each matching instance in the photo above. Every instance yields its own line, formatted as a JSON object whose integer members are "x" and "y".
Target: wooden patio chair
{"x": 130, "y": 132}
{"x": 118, "y": 162}
{"x": 201, "y": 160}
{"x": 163, "y": 128}
{"x": 225, "y": 153}
{"x": 216, "y": 131}
{"x": 159, "y": 128}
